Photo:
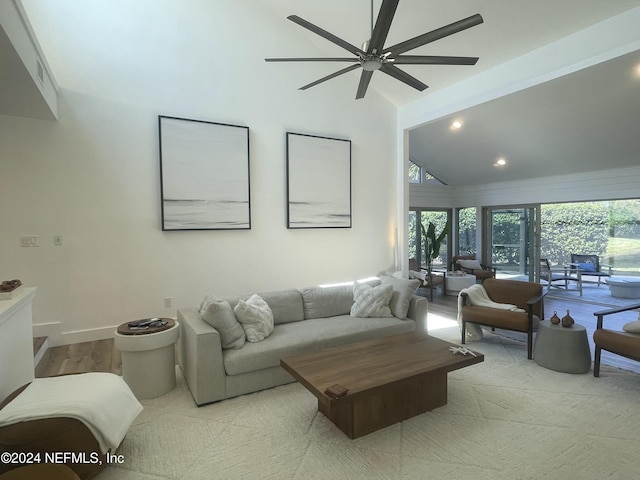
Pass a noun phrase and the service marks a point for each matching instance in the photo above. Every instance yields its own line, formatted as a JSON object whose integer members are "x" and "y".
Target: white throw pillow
{"x": 219, "y": 315}
{"x": 256, "y": 318}
{"x": 403, "y": 290}
{"x": 470, "y": 264}
{"x": 371, "y": 301}
{"x": 632, "y": 327}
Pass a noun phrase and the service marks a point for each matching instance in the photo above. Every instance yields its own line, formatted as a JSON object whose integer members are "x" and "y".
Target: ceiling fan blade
{"x": 324, "y": 34}
{"x": 383, "y": 24}
{"x": 432, "y": 60}
{"x": 329, "y": 77}
{"x": 404, "y": 77}
{"x": 350, "y": 59}
{"x": 365, "y": 78}
{"x": 434, "y": 35}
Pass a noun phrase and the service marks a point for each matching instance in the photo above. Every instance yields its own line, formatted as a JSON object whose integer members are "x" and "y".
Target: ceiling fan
{"x": 374, "y": 56}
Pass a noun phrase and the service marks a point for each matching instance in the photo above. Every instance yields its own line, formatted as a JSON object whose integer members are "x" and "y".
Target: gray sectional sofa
{"x": 304, "y": 320}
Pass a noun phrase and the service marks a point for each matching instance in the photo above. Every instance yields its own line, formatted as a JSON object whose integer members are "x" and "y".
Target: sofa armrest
{"x": 200, "y": 356}
{"x": 418, "y": 310}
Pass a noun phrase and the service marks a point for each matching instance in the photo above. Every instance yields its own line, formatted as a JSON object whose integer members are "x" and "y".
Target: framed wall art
{"x": 204, "y": 175}
{"x": 318, "y": 182}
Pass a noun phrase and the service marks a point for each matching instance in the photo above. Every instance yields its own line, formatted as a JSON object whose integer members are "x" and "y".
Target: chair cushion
{"x": 618, "y": 342}
{"x": 470, "y": 264}
{"x": 506, "y": 319}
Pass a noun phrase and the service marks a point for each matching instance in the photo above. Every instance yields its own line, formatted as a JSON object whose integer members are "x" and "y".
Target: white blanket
{"x": 102, "y": 401}
{"x": 477, "y": 295}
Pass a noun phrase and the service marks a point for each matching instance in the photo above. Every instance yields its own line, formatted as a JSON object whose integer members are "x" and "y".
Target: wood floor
{"x": 101, "y": 356}
{"x": 98, "y": 356}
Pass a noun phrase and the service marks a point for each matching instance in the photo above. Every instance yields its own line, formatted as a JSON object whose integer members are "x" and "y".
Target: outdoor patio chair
{"x": 589, "y": 265}
{"x": 559, "y": 277}
{"x": 469, "y": 264}
{"x": 615, "y": 341}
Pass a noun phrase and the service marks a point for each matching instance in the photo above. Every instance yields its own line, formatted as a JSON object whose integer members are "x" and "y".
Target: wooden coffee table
{"x": 388, "y": 379}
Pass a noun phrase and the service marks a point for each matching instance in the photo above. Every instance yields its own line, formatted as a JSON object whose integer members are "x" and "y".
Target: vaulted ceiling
{"x": 580, "y": 122}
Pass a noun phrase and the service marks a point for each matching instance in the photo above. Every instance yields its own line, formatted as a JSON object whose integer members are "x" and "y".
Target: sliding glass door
{"x": 422, "y": 216}
{"x": 511, "y": 239}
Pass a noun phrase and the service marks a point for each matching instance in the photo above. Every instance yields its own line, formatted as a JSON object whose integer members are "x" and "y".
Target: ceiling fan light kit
{"x": 374, "y": 56}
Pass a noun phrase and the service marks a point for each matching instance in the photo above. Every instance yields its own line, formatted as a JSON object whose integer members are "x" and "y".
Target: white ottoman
{"x": 149, "y": 360}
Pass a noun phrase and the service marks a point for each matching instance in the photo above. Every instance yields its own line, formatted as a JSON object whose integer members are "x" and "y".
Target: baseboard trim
{"x": 57, "y": 338}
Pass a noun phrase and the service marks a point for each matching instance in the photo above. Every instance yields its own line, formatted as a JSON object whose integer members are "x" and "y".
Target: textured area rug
{"x": 507, "y": 418}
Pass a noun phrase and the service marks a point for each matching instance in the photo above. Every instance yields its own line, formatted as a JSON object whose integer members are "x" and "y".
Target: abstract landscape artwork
{"x": 318, "y": 182}
{"x": 204, "y": 175}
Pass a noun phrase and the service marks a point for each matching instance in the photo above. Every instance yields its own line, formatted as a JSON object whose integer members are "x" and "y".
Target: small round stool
{"x": 148, "y": 358}
{"x": 562, "y": 349}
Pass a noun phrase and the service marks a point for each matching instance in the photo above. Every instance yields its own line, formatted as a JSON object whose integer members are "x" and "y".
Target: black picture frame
{"x": 204, "y": 175}
{"x": 318, "y": 182}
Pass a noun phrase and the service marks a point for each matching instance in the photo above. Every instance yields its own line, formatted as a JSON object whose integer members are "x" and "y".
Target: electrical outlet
{"x": 57, "y": 240}
{"x": 167, "y": 302}
{"x": 29, "y": 241}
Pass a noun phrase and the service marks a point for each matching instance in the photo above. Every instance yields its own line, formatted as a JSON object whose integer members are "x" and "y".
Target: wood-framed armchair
{"x": 615, "y": 341}
{"x": 470, "y": 265}
{"x": 527, "y": 296}
{"x": 589, "y": 265}
{"x": 429, "y": 278}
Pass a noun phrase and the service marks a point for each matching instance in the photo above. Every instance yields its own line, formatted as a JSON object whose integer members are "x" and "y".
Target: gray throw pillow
{"x": 256, "y": 318}
{"x": 219, "y": 315}
{"x": 403, "y": 290}
{"x": 371, "y": 301}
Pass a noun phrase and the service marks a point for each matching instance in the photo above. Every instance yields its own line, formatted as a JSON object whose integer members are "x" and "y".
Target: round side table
{"x": 148, "y": 358}
{"x": 455, "y": 283}
{"x": 562, "y": 349}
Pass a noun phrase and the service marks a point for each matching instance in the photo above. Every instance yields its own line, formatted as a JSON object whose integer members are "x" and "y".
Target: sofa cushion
{"x": 256, "y": 318}
{"x": 219, "y": 315}
{"x": 310, "y": 336}
{"x": 403, "y": 290}
{"x": 286, "y": 305}
{"x": 371, "y": 301}
{"x": 321, "y": 302}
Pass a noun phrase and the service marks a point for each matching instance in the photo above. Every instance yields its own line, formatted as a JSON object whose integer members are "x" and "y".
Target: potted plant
{"x": 432, "y": 242}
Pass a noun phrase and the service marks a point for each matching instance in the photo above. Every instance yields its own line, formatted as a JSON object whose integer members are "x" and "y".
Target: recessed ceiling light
{"x": 456, "y": 124}
{"x": 501, "y": 162}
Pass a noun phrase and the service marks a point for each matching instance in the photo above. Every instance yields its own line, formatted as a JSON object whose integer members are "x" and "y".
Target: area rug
{"x": 507, "y": 418}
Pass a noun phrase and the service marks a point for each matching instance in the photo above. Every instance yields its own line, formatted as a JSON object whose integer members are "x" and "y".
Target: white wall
{"x": 93, "y": 176}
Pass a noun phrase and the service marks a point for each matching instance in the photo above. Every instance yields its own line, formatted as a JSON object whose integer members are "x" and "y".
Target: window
{"x": 415, "y": 173}
{"x": 609, "y": 229}
{"x": 467, "y": 228}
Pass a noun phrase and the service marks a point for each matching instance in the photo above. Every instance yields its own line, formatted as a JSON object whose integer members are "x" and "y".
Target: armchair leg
{"x": 596, "y": 361}
{"x": 464, "y": 331}
{"x": 530, "y": 344}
